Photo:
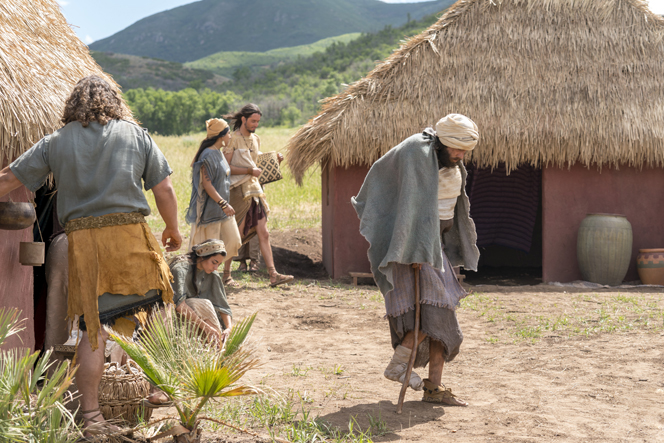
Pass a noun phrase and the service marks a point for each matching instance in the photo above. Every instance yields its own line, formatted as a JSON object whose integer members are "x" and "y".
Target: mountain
{"x": 228, "y": 63}
{"x": 203, "y": 28}
{"x": 131, "y": 71}
{"x": 288, "y": 92}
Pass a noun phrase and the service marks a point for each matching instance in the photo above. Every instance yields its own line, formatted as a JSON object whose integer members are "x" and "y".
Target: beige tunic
{"x": 238, "y": 201}
{"x": 449, "y": 189}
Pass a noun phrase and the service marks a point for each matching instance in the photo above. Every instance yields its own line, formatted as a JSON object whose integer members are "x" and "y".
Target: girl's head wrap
{"x": 216, "y": 126}
{"x": 210, "y": 247}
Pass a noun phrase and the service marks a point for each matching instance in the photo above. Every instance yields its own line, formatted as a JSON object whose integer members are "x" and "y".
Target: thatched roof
{"x": 41, "y": 59}
{"x": 547, "y": 82}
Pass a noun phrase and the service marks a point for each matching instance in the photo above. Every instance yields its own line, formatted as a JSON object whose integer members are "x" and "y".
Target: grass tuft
{"x": 580, "y": 315}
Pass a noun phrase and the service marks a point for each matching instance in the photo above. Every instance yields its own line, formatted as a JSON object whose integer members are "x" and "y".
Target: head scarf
{"x": 210, "y": 247}
{"x": 216, "y": 126}
{"x": 458, "y": 132}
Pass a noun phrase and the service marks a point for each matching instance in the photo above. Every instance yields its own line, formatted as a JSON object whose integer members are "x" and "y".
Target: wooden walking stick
{"x": 413, "y": 353}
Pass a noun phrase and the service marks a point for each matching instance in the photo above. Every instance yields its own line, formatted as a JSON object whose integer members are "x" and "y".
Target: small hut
{"x": 567, "y": 95}
{"x": 41, "y": 59}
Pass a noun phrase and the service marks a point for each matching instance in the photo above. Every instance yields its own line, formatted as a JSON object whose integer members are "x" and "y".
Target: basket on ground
{"x": 121, "y": 393}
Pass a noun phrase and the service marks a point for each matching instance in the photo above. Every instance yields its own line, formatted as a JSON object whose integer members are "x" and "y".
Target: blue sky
{"x": 96, "y": 19}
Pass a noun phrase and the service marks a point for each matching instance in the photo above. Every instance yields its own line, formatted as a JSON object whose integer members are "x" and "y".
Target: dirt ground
{"x": 526, "y": 367}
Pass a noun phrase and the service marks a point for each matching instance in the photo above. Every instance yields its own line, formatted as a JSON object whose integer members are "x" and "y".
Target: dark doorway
{"x": 507, "y": 211}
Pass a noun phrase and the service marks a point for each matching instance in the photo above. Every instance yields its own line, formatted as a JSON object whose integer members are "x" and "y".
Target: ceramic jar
{"x": 16, "y": 215}
{"x": 31, "y": 253}
{"x": 604, "y": 248}
{"x": 650, "y": 264}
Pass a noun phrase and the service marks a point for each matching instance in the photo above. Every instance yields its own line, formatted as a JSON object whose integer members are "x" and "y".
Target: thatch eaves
{"x": 41, "y": 59}
{"x": 548, "y": 82}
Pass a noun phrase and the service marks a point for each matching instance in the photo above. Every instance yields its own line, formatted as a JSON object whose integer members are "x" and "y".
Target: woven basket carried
{"x": 269, "y": 163}
{"x": 121, "y": 393}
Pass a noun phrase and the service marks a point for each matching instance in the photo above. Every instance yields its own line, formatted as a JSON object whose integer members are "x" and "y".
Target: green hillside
{"x": 288, "y": 94}
{"x": 131, "y": 71}
{"x": 205, "y": 27}
{"x": 230, "y": 63}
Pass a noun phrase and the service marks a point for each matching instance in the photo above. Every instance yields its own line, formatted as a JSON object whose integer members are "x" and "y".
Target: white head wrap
{"x": 211, "y": 247}
{"x": 457, "y": 131}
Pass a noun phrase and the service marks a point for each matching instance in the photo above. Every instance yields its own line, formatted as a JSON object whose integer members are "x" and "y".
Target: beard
{"x": 444, "y": 159}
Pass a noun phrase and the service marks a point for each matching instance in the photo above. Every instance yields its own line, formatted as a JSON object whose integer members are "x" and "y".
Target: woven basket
{"x": 121, "y": 393}
{"x": 269, "y": 163}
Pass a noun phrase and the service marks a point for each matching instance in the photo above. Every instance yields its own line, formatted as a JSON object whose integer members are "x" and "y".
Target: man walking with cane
{"x": 412, "y": 198}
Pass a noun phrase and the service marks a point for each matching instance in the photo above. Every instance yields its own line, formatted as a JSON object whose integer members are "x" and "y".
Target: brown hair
{"x": 93, "y": 99}
{"x": 247, "y": 111}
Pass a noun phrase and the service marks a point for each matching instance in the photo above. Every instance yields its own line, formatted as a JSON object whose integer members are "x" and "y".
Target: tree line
{"x": 288, "y": 94}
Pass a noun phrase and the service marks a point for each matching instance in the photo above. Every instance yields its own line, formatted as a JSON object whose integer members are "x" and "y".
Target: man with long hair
{"x": 411, "y": 204}
{"x": 247, "y": 196}
{"x": 100, "y": 161}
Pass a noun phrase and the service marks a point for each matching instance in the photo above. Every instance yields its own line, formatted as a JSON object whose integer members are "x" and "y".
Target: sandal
{"x": 243, "y": 266}
{"x": 101, "y": 427}
{"x": 162, "y": 404}
{"x": 148, "y": 404}
{"x": 253, "y": 266}
{"x": 228, "y": 280}
{"x": 277, "y": 279}
{"x": 440, "y": 394}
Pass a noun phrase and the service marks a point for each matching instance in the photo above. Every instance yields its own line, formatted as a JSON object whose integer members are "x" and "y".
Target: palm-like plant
{"x": 191, "y": 370}
{"x": 28, "y": 412}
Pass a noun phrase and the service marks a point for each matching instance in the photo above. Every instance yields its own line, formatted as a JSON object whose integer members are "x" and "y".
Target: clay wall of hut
{"x": 569, "y": 194}
{"x": 16, "y": 279}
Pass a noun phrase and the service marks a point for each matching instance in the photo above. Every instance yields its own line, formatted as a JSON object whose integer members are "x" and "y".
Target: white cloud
{"x": 63, "y": 3}
{"x": 88, "y": 39}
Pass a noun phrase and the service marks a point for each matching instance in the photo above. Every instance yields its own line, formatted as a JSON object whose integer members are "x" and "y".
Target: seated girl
{"x": 199, "y": 295}
{"x": 198, "y": 291}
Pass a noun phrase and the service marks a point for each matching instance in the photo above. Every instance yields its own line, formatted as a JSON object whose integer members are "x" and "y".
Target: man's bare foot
{"x": 440, "y": 394}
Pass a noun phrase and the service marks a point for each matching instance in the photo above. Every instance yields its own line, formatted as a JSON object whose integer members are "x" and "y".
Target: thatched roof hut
{"x": 569, "y": 88}
{"x": 41, "y": 59}
{"x": 547, "y": 82}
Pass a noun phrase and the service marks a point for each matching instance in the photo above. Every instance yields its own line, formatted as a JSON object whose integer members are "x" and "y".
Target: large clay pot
{"x": 604, "y": 248}
{"x": 650, "y": 264}
{"x": 16, "y": 215}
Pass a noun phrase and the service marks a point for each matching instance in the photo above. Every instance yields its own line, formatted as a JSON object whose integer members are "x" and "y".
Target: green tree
{"x": 290, "y": 114}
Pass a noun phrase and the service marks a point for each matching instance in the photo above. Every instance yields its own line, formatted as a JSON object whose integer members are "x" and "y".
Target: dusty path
{"x": 537, "y": 363}
{"x": 605, "y": 387}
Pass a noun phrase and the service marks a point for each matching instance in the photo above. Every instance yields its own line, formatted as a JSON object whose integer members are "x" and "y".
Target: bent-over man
{"x": 413, "y": 197}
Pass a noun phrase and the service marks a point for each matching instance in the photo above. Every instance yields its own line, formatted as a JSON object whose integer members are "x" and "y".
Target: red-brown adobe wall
{"x": 16, "y": 279}
{"x": 344, "y": 248}
{"x": 569, "y": 194}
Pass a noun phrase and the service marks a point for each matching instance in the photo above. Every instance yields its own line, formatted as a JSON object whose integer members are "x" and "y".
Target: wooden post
{"x": 413, "y": 353}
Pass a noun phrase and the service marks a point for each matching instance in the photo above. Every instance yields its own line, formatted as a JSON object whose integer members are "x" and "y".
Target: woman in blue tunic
{"x": 209, "y": 213}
